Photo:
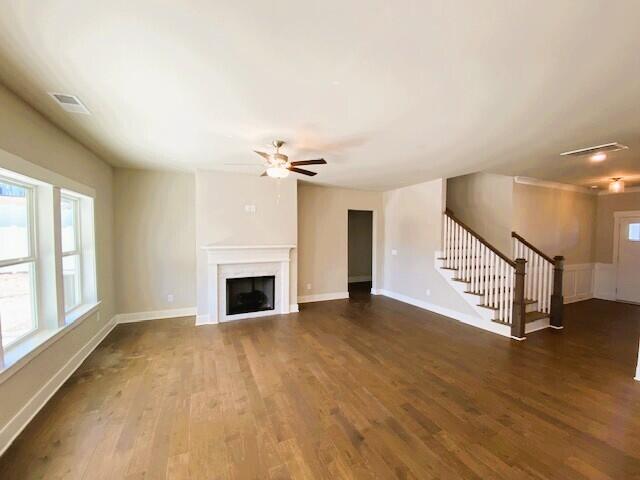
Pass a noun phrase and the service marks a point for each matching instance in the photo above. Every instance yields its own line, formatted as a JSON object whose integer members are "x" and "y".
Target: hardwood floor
{"x": 367, "y": 388}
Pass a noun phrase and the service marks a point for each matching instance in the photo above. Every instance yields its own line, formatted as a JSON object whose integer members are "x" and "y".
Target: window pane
{"x": 17, "y": 301}
{"x": 634, "y": 232}
{"x": 68, "y": 209}
{"x": 14, "y": 218}
{"x": 71, "y": 278}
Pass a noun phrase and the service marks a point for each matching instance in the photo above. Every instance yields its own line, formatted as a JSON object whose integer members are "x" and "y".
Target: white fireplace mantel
{"x": 236, "y": 261}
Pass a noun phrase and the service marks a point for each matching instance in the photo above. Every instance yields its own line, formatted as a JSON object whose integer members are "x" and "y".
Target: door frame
{"x": 617, "y": 224}
{"x": 374, "y": 241}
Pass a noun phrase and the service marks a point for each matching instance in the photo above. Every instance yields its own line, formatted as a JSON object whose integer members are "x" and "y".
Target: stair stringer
{"x": 485, "y": 315}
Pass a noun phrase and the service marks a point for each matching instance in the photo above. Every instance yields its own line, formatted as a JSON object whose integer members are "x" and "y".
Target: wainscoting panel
{"x": 605, "y": 281}
{"x": 577, "y": 282}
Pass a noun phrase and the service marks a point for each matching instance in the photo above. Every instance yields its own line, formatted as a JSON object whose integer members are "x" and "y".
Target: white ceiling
{"x": 390, "y": 93}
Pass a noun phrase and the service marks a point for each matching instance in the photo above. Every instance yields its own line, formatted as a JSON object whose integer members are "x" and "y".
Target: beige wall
{"x": 221, "y": 218}
{"x": 27, "y": 134}
{"x": 484, "y": 202}
{"x": 558, "y": 222}
{"x": 413, "y": 228}
{"x": 606, "y": 206}
{"x": 360, "y": 252}
{"x": 155, "y": 240}
{"x": 322, "y": 236}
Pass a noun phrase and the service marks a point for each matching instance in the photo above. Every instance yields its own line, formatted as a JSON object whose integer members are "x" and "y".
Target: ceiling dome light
{"x": 598, "y": 157}
{"x": 278, "y": 172}
{"x": 617, "y": 185}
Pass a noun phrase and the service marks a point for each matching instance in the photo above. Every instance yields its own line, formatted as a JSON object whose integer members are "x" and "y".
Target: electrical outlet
{"x": 170, "y": 298}
{"x": 250, "y": 209}
{"x": 308, "y": 286}
{"x": 428, "y": 292}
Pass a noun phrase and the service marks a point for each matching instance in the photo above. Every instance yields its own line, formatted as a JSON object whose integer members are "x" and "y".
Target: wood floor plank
{"x": 366, "y": 388}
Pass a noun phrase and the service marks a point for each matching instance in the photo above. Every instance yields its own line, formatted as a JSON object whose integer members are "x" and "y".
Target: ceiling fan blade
{"x": 264, "y": 155}
{"x": 319, "y": 161}
{"x": 264, "y": 174}
{"x": 302, "y": 171}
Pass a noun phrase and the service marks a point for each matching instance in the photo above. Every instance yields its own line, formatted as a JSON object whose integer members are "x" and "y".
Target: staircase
{"x": 512, "y": 296}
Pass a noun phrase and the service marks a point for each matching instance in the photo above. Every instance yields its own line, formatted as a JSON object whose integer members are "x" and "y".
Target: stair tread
{"x": 535, "y": 315}
{"x": 527, "y": 301}
{"x": 529, "y": 317}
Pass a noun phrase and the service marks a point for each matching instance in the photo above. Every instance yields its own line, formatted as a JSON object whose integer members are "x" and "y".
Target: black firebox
{"x": 250, "y": 294}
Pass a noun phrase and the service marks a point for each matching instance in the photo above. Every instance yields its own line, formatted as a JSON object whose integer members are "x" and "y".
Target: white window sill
{"x": 19, "y": 355}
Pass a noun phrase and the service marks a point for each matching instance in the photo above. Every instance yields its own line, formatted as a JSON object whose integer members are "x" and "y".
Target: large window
{"x": 18, "y": 312}
{"x": 71, "y": 251}
{"x": 47, "y": 257}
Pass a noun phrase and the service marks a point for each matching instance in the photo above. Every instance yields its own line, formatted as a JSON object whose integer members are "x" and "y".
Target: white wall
{"x": 155, "y": 240}
{"x": 484, "y": 202}
{"x": 322, "y": 239}
{"x": 221, "y": 218}
{"x": 413, "y": 228}
{"x": 25, "y": 133}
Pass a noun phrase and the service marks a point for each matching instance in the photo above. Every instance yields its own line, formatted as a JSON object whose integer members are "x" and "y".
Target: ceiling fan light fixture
{"x": 616, "y": 185}
{"x": 278, "y": 171}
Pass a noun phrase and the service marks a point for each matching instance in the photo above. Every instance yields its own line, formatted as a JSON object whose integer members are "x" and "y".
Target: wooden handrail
{"x": 451, "y": 215}
{"x": 522, "y": 240}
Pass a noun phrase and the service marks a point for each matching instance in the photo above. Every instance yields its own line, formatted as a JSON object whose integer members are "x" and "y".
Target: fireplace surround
{"x": 230, "y": 262}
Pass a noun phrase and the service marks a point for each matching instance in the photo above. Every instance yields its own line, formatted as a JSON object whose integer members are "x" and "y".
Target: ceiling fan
{"x": 278, "y": 165}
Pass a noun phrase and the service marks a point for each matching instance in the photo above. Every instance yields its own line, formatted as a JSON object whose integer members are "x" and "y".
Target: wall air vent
{"x": 70, "y": 103}
{"x": 607, "y": 147}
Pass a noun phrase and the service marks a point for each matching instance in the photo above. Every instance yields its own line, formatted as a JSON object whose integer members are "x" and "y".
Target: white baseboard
{"x": 376, "y": 291}
{"x": 155, "y": 315}
{"x": 203, "y": 319}
{"x": 360, "y": 278}
{"x": 293, "y": 308}
{"x": 461, "y": 317}
{"x": 21, "y": 419}
{"x": 321, "y": 297}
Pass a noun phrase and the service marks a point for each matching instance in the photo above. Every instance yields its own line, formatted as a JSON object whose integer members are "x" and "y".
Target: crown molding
{"x": 556, "y": 185}
{"x": 635, "y": 189}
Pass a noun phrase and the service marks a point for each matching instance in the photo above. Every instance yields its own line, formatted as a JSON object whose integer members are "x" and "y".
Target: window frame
{"x": 77, "y": 234}
{"x": 31, "y": 260}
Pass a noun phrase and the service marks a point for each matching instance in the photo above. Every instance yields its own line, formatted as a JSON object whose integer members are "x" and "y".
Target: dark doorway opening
{"x": 360, "y": 252}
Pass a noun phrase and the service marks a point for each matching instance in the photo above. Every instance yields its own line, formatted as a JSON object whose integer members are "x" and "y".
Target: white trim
{"x": 293, "y": 308}
{"x": 246, "y": 247}
{"x": 155, "y": 315}
{"x": 359, "y": 278}
{"x": 19, "y": 355}
{"x": 490, "y": 326}
{"x": 635, "y": 189}
{"x": 202, "y": 319}
{"x": 21, "y": 419}
{"x": 322, "y": 297}
{"x": 557, "y": 185}
{"x": 604, "y": 282}
{"x": 617, "y": 218}
{"x": 573, "y": 277}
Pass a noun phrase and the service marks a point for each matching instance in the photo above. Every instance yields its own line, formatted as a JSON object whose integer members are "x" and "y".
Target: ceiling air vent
{"x": 607, "y": 147}
{"x": 70, "y": 103}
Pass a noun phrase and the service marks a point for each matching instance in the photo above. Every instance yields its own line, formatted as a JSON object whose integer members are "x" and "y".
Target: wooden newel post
{"x": 557, "y": 300}
{"x": 519, "y": 314}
